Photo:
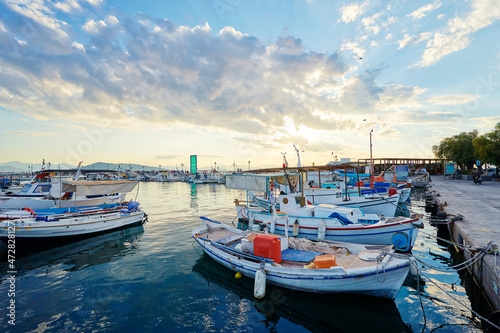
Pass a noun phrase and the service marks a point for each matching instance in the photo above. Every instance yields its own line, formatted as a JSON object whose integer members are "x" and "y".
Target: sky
{"x": 239, "y": 82}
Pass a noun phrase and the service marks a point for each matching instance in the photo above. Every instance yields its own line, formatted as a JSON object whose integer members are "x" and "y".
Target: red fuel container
{"x": 267, "y": 246}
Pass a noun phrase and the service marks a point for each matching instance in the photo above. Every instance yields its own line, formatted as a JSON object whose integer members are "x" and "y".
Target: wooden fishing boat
{"x": 301, "y": 264}
{"x": 70, "y": 225}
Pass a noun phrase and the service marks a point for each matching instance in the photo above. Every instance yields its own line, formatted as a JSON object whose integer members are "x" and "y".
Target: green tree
{"x": 487, "y": 146}
{"x": 458, "y": 148}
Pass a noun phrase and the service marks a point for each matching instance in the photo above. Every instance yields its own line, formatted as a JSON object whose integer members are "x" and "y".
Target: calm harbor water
{"x": 153, "y": 278}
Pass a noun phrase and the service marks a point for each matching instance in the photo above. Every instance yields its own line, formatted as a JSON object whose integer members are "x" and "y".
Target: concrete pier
{"x": 480, "y": 206}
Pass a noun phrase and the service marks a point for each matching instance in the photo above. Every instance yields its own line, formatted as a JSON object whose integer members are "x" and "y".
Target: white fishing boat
{"x": 381, "y": 204}
{"x": 322, "y": 221}
{"x": 301, "y": 264}
{"x": 70, "y": 225}
{"x": 68, "y": 193}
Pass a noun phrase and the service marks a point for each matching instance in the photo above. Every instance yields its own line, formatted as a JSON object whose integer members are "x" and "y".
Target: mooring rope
{"x": 456, "y": 300}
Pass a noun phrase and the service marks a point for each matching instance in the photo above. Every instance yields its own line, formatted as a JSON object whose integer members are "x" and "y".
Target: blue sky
{"x": 233, "y": 81}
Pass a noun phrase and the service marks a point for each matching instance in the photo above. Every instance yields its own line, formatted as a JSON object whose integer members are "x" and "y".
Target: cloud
{"x": 422, "y": 11}
{"x": 415, "y": 39}
{"x": 354, "y": 47}
{"x": 34, "y": 22}
{"x": 68, "y": 6}
{"x": 456, "y": 36}
{"x": 351, "y": 12}
{"x": 130, "y": 69}
{"x": 166, "y": 157}
{"x": 28, "y": 133}
{"x": 452, "y": 99}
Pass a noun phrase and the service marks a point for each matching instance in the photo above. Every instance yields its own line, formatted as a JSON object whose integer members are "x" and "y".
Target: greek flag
{"x": 271, "y": 198}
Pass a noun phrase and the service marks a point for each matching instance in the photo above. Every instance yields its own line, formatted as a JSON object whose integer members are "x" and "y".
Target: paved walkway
{"x": 480, "y": 205}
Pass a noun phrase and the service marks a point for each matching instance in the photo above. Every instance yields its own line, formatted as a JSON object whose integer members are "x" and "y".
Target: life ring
{"x": 30, "y": 210}
{"x": 394, "y": 185}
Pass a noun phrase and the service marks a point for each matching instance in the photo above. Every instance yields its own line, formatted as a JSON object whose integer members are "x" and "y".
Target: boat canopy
{"x": 96, "y": 187}
{"x": 259, "y": 182}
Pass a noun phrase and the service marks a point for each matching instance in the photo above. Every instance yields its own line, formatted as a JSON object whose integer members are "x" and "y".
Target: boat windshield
{"x": 42, "y": 189}
{"x": 26, "y": 188}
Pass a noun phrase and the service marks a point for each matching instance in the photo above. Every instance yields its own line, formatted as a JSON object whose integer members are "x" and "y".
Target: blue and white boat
{"x": 319, "y": 221}
{"x": 356, "y": 269}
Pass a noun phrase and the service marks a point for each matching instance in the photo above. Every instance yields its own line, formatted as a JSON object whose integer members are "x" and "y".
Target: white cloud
{"x": 351, "y": 12}
{"x": 68, "y": 6}
{"x": 441, "y": 16}
{"x": 354, "y": 47}
{"x": 94, "y": 3}
{"x": 456, "y": 36}
{"x": 411, "y": 40}
{"x": 422, "y": 11}
{"x": 93, "y": 27}
{"x": 452, "y": 99}
{"x": 78, "y": 46}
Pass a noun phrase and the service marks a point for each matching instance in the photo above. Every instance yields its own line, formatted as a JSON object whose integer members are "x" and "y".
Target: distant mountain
{"x": 124, "y": 167}
{"x": 16, "y": 166}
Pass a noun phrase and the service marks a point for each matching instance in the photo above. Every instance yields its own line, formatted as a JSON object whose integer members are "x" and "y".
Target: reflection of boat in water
{"x": 77, "y": 255}
{"x": 314, "y": 312}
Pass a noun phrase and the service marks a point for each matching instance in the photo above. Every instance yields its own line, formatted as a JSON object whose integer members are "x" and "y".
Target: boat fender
{"x": 238, "y": 275}
{"x": 272, "y": 226}
{"x": 321, "y": 230}
{"x": 413, "y": 267}
{"x": 401, "y": 241}
{"x": 296, "y": 227}
{"x": 30, "y": 210}
{"x": 251, "y": 222}
{"x": 256, "y": 227}
{"x": 259, "y": 290}
{"x": 392, "y": 191}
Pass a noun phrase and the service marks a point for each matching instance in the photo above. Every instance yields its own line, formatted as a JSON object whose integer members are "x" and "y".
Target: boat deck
{"x": 342, "y": 256}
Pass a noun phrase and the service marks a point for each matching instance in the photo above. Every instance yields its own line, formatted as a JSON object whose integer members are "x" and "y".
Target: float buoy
{"x": 321, "y": 230}
{"x": 259, "y": 290}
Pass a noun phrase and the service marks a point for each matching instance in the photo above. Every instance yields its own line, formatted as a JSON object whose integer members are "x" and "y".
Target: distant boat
{"x": 304, "y": 265}
{"x": 67, "y": 193}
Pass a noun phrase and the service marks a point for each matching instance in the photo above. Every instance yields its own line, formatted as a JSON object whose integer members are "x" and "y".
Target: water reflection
{"x": 78, "y": 255}
{"x": 193, "y": 195}
{"x": 314, "y": 312}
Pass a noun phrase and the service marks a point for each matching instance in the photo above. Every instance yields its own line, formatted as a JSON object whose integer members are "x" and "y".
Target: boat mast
{"x": 298, "y": 156}
{"x": 371, "y": 161}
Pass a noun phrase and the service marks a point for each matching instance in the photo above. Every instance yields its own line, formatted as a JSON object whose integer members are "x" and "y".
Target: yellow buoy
{"x": 238, "y": 275}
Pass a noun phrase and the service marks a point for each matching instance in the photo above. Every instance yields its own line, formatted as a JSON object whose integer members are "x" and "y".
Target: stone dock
{"x": 480, "y": 207}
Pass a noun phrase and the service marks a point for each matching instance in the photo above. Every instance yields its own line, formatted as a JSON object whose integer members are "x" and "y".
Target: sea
{"x": 155, "y": 278}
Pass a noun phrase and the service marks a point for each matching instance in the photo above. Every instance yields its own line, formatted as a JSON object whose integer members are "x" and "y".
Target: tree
{"x": 458, "y": 148}
{"x": 487, "y": 146}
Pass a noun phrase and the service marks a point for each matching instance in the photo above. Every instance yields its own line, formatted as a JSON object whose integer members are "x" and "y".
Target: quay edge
{"x": 480, "y": 207}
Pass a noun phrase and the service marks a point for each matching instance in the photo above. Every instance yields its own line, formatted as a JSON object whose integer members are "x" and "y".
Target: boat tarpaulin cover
{"x": 257, "y": 182}
{"x": 96, "y": 187}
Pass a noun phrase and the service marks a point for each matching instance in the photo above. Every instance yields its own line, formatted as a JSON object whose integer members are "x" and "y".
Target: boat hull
{"x": 28, "y": 230}
{"x": 309, "y": 227}
{"x": 379, "y": 282}
{"x": 380, "y": 205}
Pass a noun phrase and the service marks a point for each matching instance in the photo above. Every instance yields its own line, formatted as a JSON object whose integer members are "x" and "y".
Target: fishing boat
{"x": 322, "y": 221}
{"x": 70, "y": 225}
{"x": 28, "y": 212}
{"x": 305, "y": 265}
{"x": 63, "y": 188}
